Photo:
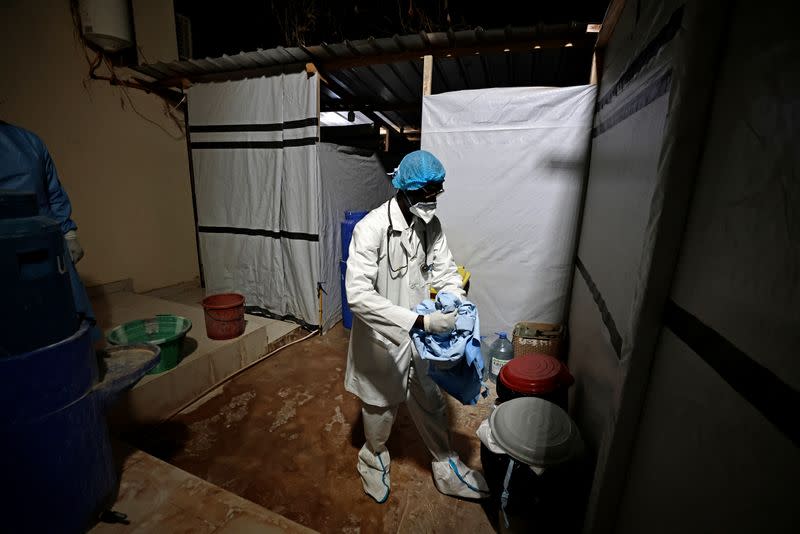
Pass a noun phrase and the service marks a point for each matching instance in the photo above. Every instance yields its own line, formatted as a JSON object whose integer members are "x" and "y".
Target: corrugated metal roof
{"x": 385, "y": 75}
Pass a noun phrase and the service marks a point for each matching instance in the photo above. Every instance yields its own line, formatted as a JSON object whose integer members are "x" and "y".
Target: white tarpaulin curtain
{"x": 649, "y": 134}
{"x": 719, "y": 409}
{"x": 257, "y": 190}
{"x": 351, "y": 179}
{"x": 515, "y": 161}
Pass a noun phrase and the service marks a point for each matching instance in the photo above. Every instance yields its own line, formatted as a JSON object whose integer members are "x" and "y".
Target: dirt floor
{"x": 285, "y": 434}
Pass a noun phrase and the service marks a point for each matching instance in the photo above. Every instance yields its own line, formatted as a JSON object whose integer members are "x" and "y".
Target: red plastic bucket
{"x": 224, "y": 314}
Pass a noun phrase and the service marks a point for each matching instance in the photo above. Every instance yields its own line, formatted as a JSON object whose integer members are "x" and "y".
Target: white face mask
{"x": 424, "y": 210}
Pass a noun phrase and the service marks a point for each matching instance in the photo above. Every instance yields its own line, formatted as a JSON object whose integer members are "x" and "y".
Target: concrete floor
{"x": 285, "y": 434}
{"x": 158, "y": 497}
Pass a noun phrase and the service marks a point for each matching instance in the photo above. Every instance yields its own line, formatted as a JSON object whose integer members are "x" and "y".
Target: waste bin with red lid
{"x": 535, "y": 375}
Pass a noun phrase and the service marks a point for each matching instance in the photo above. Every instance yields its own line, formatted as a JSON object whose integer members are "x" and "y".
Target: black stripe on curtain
{"x": 763, "y": 389}
{"x": 279, "y": 234}
{"x": 304, "y": 141}
{"x": 265, "y": 127}
{"x": 608, "y": 320}
{"x": 664, "y": 36}
{"x": 657, "y": 88}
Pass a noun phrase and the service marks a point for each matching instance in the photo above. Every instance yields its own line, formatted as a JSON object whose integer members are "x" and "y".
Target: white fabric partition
{"x": 351, "y": 179}
{"x": 649, "y": 134}
{"x": 718, "y": 429}
{"x": 257, "y": 190}
{"x": 269, "y": 198}
{"x": 515, "y": 160}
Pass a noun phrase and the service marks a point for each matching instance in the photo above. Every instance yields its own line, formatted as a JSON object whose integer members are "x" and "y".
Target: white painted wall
{"x": 155, "y": 30}
{"x": 127, "y": 179}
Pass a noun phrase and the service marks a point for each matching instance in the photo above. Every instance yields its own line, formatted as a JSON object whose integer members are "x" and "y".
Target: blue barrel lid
{"x": 354, "y": 215}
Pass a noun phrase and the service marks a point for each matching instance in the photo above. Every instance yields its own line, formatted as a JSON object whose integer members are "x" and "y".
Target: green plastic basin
{"x": 167, "y": 331}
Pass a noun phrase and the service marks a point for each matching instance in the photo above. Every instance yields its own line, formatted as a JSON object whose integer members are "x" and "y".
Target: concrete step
{"x": 159, "y": 497}
{"x": 206, "y": 362}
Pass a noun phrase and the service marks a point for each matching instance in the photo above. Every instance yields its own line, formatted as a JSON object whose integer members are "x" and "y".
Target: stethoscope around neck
{"x": 389, "y": 231}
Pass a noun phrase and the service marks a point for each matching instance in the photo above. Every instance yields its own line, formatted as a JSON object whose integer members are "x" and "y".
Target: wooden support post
{"x": 427, "y": 75}
{"x": 593, "y": 74}
{"x": 311, "y": 70}
{"x": 610, "y": 20}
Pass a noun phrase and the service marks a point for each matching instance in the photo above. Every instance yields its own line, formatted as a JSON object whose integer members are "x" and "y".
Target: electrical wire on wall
{"x": 171, "y": 100}
{"x": 124, "y": 87}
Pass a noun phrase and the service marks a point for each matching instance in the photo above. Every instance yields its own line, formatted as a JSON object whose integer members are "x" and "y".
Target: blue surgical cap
{"x": 418, "y": 169}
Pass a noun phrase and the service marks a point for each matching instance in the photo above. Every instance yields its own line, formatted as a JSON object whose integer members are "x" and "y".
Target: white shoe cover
{"x": 454, "y": 478}
{"x": 374, "y": 470}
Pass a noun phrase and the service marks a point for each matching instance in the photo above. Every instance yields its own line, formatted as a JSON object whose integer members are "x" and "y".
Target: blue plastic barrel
{"x": 349, "y": 223}
{"x": 55, "y": 453}
{"x": 347, "y": 315}
{"x": 38, "y": 307}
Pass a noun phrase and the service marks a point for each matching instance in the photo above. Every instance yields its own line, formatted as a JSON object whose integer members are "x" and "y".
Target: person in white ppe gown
{"x": 397, "y": 253}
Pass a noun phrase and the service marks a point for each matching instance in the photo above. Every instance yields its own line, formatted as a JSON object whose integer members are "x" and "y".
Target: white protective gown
{"x": 382, "y": 299}
{"x": 383, "y": 368}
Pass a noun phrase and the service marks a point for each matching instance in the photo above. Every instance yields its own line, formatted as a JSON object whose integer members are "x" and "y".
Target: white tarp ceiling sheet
{"x": 351, "y": 179}
{"x": 257, "y": 190}
{"x": 515, "y": 160}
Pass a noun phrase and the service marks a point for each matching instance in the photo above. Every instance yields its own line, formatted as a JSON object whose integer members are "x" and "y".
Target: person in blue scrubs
{"x": 26, "y": 166}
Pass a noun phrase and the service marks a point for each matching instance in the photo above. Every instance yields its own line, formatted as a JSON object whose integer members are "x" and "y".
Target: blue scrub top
{"x": 26, "y": 165}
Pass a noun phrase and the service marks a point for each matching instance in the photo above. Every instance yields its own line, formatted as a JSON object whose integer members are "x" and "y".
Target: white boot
{"x": 454, "y": 478}
{"x": 374, "y": 470}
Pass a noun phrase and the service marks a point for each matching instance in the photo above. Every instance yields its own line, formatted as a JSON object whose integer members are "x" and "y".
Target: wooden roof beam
{"x": 354, "y": 104}
{"x": 579, "y": 41}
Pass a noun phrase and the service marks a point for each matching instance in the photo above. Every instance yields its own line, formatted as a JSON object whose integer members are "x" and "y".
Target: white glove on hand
{"x": 74, "y": 247}
{"x": 439, "y": 323}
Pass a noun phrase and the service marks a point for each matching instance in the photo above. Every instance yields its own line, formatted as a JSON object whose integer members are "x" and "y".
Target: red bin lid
{"x": 535, "y": 374}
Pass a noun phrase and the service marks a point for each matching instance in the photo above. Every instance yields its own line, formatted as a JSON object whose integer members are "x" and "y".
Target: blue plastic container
{"x": 55, "y": 454}
{"x": 38, "y": 307}
{"x": 349, "y": 223}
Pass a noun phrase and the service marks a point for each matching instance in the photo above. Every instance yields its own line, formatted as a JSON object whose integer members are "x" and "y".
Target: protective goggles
{"x": 428, "y": 193}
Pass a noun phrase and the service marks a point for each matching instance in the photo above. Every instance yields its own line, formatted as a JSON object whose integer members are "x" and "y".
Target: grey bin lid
{"x": 535, "y": 431}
